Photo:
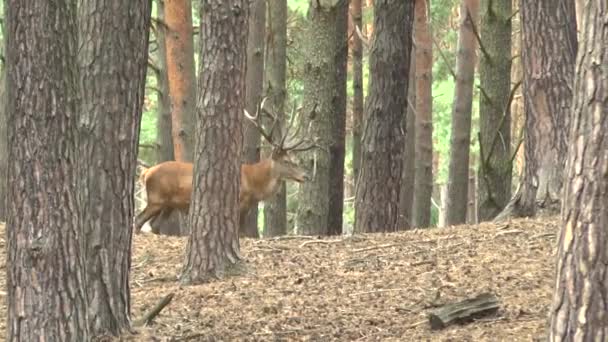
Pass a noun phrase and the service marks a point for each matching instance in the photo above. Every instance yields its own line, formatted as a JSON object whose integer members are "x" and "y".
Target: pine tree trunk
{"x": 3, "y": 147}
{"x": 460, "y": 141}
{"x": 170, "y": 225}
{"x": 579, "y": 302}
{"x": 377, "y": 194}
{"x": 406, "y": 198}
{"x": 255, "y": 84}
{"x": 357, "y": 56}
{"x": 275, "y": 208}
{"x": 423, "y": 184}
{"x": 495, "y": 165}
{"x": 213, "y": 244}
{"x": 548, "y": 54}
{"x": 181, "y": 75}
{"x": 338, "y": 134}
{"x": 47, "y": 293}
{"x": 109, "y": 129}
{"x": 320, "y": 83}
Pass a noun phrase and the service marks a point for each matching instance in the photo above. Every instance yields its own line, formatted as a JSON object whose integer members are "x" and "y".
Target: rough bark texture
{"x": 46, "y": 261}
{"x": 494, "y": 189}
{"x": 213, "y": 243}
{"x": 548, "y": 56}
{"x": 171, "y": 225}
{"x": 181, "y": 75}
{"x": 357, "y": 57}
{"x": 460, "y": 140}
{"x": 112, "y": 83}
{"x": 378, "y": 188}
{"x": 3, "y": 146}
{"x": 406, "y": 198}
{"x": 423, "y": 185}
{"x": 338, "y": 134}
{"x": 319, "y": 82}
{"x": 275, "y": 208}
{"x": 579, "y": 301}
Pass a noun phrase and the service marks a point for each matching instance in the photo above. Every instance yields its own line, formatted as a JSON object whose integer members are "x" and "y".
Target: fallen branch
{"x": 464, "y": 311}
{"x": 376, "y": 247}
{"x": 319, "y": 241}
{"x": 148, "y": 317}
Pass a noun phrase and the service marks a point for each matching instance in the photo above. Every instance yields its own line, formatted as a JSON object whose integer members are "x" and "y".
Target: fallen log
{"x": 148, "y": 317}
{"x": 464, "y": 311}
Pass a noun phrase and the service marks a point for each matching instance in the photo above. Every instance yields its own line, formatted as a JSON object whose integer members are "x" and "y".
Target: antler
{"x": 254, "y": 120}
{"x": 297, "y": 145}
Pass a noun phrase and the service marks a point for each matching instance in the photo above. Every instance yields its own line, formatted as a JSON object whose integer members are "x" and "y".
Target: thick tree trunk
{"x": 406, "y": 197}
{"x": 495, "y": 165}
{"x": 171, "y": 225}
{"x": 213, "y": 244}
{"x": 3, "y": 147}
{"x": 377, "y": 194}
{"x": 181, "y": 75}
{"x": 460, "y": 141}
{"x": 548, "y": 56}
{"x": 357, "y": 56}
{"x": 47, "y": 292}
{"x": 579, "y": 301}
{"x": 112, "y": 80}
{"x": 338, "y": 134}
{"x": 319, "y": 82}
{"x": 423, "y": 184}
{"x": 275, "y": 208}
{"x": 254, "y": 85}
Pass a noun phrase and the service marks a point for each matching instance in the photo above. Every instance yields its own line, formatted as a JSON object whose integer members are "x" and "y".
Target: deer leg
{"x": 143, "y": 217}
{"x": 159, "y": 219}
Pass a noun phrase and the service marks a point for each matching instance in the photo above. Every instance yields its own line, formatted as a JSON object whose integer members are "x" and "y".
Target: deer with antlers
{"x": 169, "y": 184}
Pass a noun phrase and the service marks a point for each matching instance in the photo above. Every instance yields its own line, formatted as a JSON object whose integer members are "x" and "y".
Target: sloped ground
{"x": 368, "y": 288}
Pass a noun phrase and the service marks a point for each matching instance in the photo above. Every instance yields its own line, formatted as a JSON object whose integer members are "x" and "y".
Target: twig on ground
{"x": 319, "y": 241}
{"x": 376, "y": 247}
{"x": 148, "y": 317}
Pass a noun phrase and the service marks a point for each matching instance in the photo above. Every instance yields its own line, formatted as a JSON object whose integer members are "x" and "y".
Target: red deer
{"x": 169, "y": 184}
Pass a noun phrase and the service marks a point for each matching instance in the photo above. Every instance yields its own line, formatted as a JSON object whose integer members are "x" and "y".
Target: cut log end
{"x": 464, "y": 311}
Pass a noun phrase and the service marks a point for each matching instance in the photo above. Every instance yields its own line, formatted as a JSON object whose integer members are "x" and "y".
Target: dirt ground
{"x": 376, "y": 287}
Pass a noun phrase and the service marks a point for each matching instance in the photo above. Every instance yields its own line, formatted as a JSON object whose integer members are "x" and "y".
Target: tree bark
{"x": 171, "y": 225}
{"x": 338, "y": 134}
{"x": 357, "y": 56}
{"x": 275, "y": 208}
{"x": 255, "y": 85}
{"x": 406, "y": 197}
{"x": 213, "y": 244}
{"x": 579, "y": 301}
{"x": 319, "y": 82}
{"x": 3, "y": 146}
{"x": 181, "y": 75}
{"x": 495, "y": 165}
{"x": 112, "y": 80}
{"x": 377, "y": 194}
{"x": 548, "y": 54}
{"x": 46, "y": 298}
{"x": 423, "y": 184}
{"x": 460, "y": 140}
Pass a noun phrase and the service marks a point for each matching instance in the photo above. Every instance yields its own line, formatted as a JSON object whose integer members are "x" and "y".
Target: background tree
{"x": 275, "y": 209}
{"x": 357, "y": 71}
{"x": 319, "y": 80}
{"x": 423, "y": 183}
{"x": 3, "y": 145}
{"x": 377, "y": 193}
{"x": 494, "y": 190}
{"x": 254, "y": 87}
{"x": 462, "y": 107}
{"x": 113, "y": 60}
{"x": 406, "y": 197}
{"x": 338, "y": 126}
{"x": 181, "y": 74}
{"x": 46, "y": 261}
{"x": 548, "y": 55}
{"x": 213, "y": 243}
{"x": 579, "y": 305}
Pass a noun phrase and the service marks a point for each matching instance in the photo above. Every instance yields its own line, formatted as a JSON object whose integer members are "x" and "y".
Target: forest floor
{"x": 373, "y": 287}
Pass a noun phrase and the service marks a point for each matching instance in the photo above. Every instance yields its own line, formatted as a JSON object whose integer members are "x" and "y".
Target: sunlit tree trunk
{"x": 357, "y": 56}
{"x": 275, "y": 208}
{"x": 460, "y": 142}
{"x": 423, "y": 184}
{"x": 254, "y": 87}
{"x": 213, "y": 244}
{"x": 3, "y": 146}
{"x": 495, "y": 165}
{"x": 579, "y": 307}
{"x": 378, "y": 188}
{"x": 46, "y": 284}
{"x": 548, "y": 56}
